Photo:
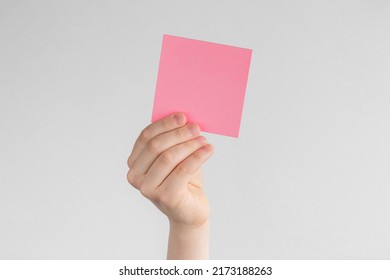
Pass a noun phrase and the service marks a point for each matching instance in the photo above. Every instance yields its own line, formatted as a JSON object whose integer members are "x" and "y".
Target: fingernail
{"x": 179, "y": 118}
{"x": 194, "y": 129}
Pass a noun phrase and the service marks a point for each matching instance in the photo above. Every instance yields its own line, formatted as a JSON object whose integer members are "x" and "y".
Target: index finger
{"x": 163, "y": 125}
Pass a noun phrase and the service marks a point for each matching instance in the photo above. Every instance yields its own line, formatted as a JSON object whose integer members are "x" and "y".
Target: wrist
{"x": 188, "y": 241}
{"x": 186, "y": 227}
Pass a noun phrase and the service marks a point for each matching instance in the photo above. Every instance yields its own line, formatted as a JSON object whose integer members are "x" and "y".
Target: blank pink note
{"x": 206, "y": 81}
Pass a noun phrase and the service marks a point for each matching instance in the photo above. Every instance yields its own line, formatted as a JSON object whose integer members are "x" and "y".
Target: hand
{"x": 165, "y": 166}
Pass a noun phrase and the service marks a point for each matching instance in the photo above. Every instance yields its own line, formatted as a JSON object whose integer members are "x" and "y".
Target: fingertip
{"x": 194, "y": 129}
{"x": 208, "y": 148}
{"x": 180, "y": 118}
{"x": 202, "y": 140}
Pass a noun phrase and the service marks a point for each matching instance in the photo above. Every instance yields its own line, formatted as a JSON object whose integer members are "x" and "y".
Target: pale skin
{"x": 165, "y": 166}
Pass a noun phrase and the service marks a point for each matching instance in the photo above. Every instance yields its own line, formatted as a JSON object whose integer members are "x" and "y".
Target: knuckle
{"x": 145, "y": 135}
{"x": 179, "y": 133}
{"x": 197, "y": 156}
{"x": 167, "y": 157}
{"x": 165, "y": 124}
{"x": 131, "y": 178}
{"x": 154, "y": 146}
{"x": 144, "y": 191}
{"x": 147, "y": 192}
{"x": 192, "y": 145}
{"x": 181, "y": 170}
{"x": 156, "y": 198}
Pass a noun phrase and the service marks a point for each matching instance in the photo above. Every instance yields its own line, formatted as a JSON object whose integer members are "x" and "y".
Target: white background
{"x": 308, "y": 178}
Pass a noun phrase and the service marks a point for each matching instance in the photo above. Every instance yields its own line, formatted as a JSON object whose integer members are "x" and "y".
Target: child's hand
{"x": 165, "y": 166}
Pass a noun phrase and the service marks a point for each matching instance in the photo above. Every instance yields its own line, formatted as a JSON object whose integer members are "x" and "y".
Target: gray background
{"x": 307, "y": 179}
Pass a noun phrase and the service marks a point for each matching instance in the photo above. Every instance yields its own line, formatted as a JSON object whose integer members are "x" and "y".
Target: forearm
{"x": 188, "y": 243}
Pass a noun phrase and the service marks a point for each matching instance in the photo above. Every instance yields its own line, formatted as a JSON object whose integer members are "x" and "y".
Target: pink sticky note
{"x": 206, "y": 81}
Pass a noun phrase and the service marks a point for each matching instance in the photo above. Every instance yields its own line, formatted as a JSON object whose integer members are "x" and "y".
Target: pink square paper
{"x": 206, "y": 81}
